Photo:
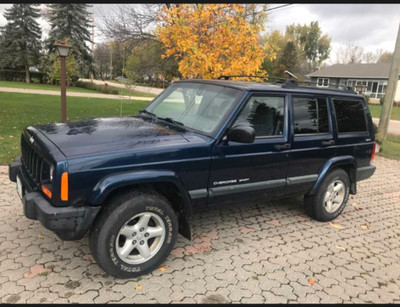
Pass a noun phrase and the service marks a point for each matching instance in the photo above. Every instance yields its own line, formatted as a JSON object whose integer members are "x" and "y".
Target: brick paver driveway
{"x": 266, "y": 253}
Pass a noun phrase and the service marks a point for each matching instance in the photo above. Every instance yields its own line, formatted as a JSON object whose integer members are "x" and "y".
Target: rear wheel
{"x": 331, "y": 197}
{"x": 134, "y": 235}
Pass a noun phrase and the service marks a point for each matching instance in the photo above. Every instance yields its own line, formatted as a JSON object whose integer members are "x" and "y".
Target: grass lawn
{"x": 391, "y": 147}
{"x": 127, "y": 92}
{"x": 45, "y": 87}
{"x": 376, "y": 109}
{"x": 50, "y": 87}
{"x": 20, "y": 110}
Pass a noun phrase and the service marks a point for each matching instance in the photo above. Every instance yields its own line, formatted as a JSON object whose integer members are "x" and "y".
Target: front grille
{"x": 32, "y": 161}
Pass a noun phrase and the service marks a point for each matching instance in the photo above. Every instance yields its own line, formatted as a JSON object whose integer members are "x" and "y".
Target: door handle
{"x": 283, "y": 146}
{"x": 330, "y": 142}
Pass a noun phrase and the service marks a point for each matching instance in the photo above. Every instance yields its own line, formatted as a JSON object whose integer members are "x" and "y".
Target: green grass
{"x": 45, "y": 87}
{"x": 50, "y": 87}
{"x": 391, "y": 147}
{"x": 127, "y": 92}
{"x": 377, "y": 109}
{"x": 20, "y": 110}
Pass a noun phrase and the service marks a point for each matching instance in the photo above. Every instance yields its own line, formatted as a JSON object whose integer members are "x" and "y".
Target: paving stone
{"x": 270, "y": 264}
{"x": 85, "y": 298}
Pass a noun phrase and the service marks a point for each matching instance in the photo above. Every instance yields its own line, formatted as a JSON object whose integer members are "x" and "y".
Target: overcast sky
{"x": 372, "y": 26}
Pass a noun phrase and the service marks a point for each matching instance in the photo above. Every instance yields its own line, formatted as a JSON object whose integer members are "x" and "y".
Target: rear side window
{"x": 310, "y": 115}
{"x": 349, "y": 115}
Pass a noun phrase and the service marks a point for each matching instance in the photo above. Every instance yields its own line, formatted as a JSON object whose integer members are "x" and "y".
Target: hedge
{"x": 19, "y": 75}
{"x": 96, "y": 87}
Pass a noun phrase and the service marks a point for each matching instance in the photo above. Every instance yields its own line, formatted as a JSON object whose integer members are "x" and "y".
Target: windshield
{"x": 201, "y": 107}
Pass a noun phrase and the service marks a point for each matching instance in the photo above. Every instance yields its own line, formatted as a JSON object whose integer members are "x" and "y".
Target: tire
{"x": 121, "y": 224}
{"x": 325, "y": 206}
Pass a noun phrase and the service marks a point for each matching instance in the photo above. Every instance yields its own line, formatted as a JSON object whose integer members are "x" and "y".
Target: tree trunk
{"x": 27, "y": 75}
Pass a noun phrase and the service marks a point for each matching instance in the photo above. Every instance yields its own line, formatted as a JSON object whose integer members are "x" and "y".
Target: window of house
{"x": 349, "y": 115}
{"x": 265, "y": 114}
{"x": 310, "y": 115}
{"x": 324, "y": 82}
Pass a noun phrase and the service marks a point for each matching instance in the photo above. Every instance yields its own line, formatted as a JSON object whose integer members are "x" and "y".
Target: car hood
{"x": 98, "y": 135}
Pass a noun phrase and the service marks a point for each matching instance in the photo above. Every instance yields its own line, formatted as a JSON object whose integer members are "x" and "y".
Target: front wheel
{"x": 134, "y": 235}
{"x": 331, "y": 197}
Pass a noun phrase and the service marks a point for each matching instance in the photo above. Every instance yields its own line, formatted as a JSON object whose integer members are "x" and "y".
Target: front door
{"x": 240, "y": 172}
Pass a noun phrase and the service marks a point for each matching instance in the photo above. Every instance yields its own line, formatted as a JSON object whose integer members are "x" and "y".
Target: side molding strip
{"x": 201, "y": 193}
{"x": 302, "y": 179}
{"x": 246, "y": 187}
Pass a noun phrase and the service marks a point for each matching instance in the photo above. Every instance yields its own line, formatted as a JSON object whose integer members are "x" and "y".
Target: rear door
{"x": 240, "y": 172}
{"x": 312, "y": 140}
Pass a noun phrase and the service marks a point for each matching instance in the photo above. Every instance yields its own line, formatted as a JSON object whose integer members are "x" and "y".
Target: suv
{"x": 133, "y": 181}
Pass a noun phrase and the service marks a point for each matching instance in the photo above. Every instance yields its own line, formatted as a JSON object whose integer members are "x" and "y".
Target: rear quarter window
{"x": 350, "y": 115}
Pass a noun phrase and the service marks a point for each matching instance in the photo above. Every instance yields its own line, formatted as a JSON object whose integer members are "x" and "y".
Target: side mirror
{"x": 241, "y": 134}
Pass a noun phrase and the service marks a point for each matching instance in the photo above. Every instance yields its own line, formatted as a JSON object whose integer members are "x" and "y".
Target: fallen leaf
{"x": 365, "y": 227}
{"x": 311, "y": 281}
{"x": 162, "y": 268}
{"x": 274, "y": 222}
{"x": 37, "y": 269}
{"x": 40, "y": 236}
{"x": 355, "y": 206}
{"x": 308, "y": 223}
{"x": 90, "y": 258}
{"x": 337, "y": 226}
{"x": 340, "y": 247}
{"x": 138, "y": 287}
{"x": 246, "y": 230}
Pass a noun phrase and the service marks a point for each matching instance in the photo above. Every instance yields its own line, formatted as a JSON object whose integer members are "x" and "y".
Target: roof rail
{"x": 290, "y": 82}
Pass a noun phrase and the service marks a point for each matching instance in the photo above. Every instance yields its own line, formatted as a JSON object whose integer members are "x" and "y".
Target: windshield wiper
{"x": 170, "y": 120}
{"x": 147, "y": 112}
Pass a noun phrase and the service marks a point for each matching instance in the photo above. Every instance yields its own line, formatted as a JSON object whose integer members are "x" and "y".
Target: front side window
{"x": 195, "y": 105}
{"x": 265, "y": 114}
{"x": 349, "y": 115}
{"x": 310, "y": 115}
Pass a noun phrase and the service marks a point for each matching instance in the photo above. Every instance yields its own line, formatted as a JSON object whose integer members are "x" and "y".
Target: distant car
{"x": 133, "y": 181}
{"x": 122, "y": 79}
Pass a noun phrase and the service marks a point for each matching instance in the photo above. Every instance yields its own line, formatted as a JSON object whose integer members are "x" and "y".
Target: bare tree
{"x": 349, "y": 53}
{"x": 372, "y": 57}
{"x": 130, "y": 22}
{"x": 386, "y": 57}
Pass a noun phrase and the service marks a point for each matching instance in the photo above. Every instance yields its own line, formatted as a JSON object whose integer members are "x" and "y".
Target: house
{"x": 373, "y": 78}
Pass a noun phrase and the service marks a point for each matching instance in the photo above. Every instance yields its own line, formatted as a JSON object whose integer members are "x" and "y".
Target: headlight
{"x": 51, "y": 172}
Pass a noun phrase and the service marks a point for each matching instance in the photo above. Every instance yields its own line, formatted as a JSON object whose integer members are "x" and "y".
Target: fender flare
{"x": 117, "y": 180}
{"x": 331, "y": 163}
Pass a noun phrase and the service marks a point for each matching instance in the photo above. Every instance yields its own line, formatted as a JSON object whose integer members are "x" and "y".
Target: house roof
{"x": 376, "y": 70}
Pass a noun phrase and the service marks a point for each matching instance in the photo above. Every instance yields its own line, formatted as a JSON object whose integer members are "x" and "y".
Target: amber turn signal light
{"x": 46, "y": 191}
{"x": 64, "y": 186}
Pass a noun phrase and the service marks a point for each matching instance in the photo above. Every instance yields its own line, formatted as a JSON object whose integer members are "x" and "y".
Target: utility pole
{"x": 111, "y": 67}
{"x": 92, "y": 51}
{"x": 390, "y": 92}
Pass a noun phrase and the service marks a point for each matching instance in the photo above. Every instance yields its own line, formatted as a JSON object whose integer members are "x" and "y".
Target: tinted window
{"x": 265, "y": 114}
{"x": 310, "y": 115}
{"x": 349, "y": 115}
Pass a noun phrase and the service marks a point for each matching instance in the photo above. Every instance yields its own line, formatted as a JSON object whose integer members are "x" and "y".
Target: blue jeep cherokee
{"x": 133, "y": 181}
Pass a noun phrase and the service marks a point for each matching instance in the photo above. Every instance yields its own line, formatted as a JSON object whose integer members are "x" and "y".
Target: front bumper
{"x": 69, "y": 223}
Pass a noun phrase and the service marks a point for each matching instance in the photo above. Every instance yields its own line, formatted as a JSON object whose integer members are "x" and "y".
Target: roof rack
{"x": 290, "y": 82}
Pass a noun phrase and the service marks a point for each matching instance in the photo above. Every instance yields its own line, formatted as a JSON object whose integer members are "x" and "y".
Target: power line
{"x": 278, "y": 7}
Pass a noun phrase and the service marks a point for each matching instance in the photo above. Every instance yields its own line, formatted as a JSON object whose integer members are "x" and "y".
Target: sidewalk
{"x": 142, "y": 89}
{"x": 73, "y": 94}
{"x": 394, "y": 126}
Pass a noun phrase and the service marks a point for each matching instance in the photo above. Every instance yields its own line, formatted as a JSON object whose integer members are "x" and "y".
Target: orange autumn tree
{"x": 213, "y": 39}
